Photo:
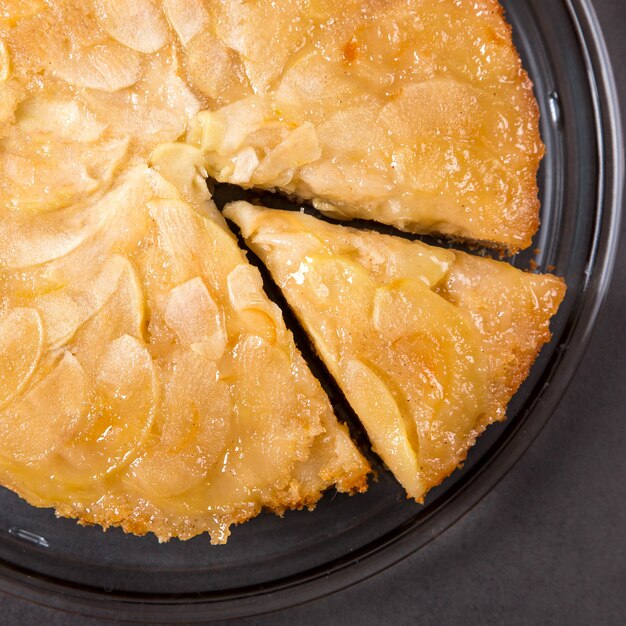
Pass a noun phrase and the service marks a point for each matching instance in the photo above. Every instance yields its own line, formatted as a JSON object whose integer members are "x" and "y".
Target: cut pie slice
{"x": 427, "y": 344}
{"x": 146, "y": 380}
{"x": 414, "y": 113}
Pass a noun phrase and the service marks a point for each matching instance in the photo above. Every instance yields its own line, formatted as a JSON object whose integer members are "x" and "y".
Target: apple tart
{"x": 146, "y": 380}
{"x": 427, "y": 344}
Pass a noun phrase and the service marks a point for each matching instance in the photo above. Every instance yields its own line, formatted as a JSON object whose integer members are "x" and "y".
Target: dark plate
{"x": 271, "y": 563}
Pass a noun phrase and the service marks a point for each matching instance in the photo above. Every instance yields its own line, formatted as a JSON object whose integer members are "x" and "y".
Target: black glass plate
{"x": 271, "y": 563}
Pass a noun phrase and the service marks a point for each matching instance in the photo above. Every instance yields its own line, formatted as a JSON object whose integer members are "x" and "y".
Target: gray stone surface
{"x": 548, "y": 545}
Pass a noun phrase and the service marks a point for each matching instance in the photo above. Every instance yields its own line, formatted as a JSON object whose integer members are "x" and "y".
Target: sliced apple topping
{"x": 187, "y": 17}
{"x": 66, "y": 309}
{"x": 65, "y": 119}
{"x": 195, "y": 432}
{"x": 452, "y": 141}
{"x": 272, "y": 433}
{"x": 215, "y": 70}
{"x": 301, "y": 146}
{"x": 196, "y": 319}
{"x": 245, "y": 291}
{"x": 124, "y": 401}
{"x": 264, "y": 57}
{"x": 385, "y": 425}
{"x": 138, "y": 24}
{"x": 447, "y": 394}
{"x": 182, "y": 165}
{"x": 123, "y": 313}
{"x": 48, "y": 173}
{"x": 5, "y": 62}
{"x": 107, "y": 67}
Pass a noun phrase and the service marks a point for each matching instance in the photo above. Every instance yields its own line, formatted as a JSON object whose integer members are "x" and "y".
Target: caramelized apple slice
{"x": 138, "y": 24}
{"x": 121, "y": 414}
{"x": 68, "y": 120}
{"x": 187, "y": 17}
{"x": 196, "y": 319}
{"x": 21, "y": 342}
{"x": 50, "y": 250}
{"x": 270, "y": 430}
{"x": 213, "y": 68}
{"x": 107, "y": 67}
{"x": 384, "y": 424}
{"x": 65, "y": 310}
{"x": 180, "y": 234}
{"x": 45, "y": 417}
{"x": 182, "y": 166}
{"x": 245, "y": 292}
{"x": 407, "y": 331}
{"x": 197, "y": 411}
{"x": 53, "y": 174}
{"x": 122, "y": 314}
{"x": 263, "y": 57}
{"x": 437, "y": 349}
{"x": 300, "y": 147}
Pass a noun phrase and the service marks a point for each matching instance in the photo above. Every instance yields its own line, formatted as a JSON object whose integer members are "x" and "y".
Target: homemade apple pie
{"x": 427, "y": 344}
{"x": 146, "y": 380}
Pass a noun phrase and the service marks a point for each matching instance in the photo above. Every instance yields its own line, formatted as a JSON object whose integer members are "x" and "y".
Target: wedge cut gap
{"x": 413, "y": 334}
{"x": 343, "y": 409}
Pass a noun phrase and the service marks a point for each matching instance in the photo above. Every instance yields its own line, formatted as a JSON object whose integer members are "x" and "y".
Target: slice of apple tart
{"x": 146, "y": 380}
{"x": 428, "y": 344}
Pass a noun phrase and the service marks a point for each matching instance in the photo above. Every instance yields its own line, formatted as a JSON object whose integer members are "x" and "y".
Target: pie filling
{"x": 146, "y": 380}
